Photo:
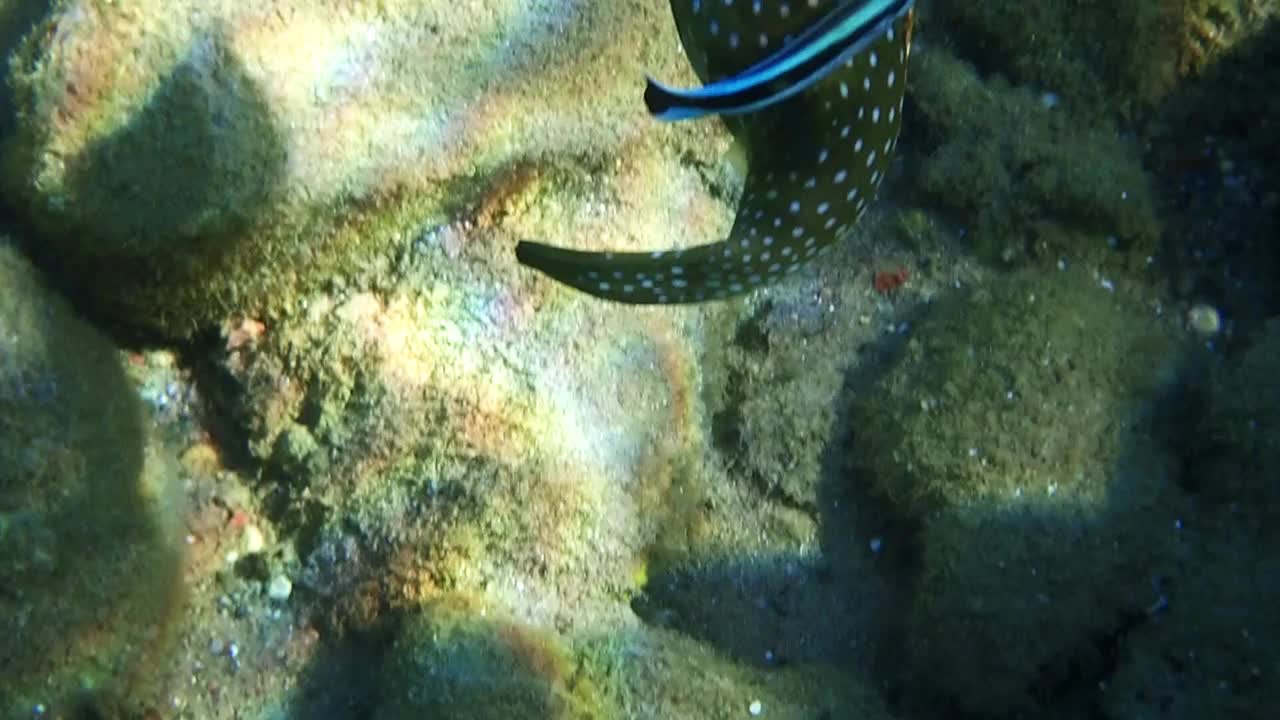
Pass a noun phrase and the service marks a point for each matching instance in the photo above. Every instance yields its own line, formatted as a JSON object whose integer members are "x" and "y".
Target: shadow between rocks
{"x": 1215, "y": 151}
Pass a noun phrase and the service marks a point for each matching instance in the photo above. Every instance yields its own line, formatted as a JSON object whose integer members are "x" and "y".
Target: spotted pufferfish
{"x": 813, "y": 89}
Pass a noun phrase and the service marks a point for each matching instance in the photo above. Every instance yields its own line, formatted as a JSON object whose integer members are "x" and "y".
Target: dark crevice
{"x": 219, "y": 410}
{"x": 775, "y": 493}
{"x": 726, "y": 423}
{"x": 1093, "y": 665}
{"x": 751, "y": 334}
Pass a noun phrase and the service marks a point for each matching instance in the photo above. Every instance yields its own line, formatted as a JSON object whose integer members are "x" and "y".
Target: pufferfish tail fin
{"x": 645, "y": 278}
{"x": 817, "y": 159}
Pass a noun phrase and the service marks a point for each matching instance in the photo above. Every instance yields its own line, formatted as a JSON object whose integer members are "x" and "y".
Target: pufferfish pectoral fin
{"x": 816, "y": 161}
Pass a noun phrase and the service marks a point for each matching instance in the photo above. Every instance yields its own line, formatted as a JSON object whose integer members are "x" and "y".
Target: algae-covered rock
{"x": 1016, "y": 431}
{"x": 456, "y": 662}
{"x": 439, "y": 436}
{"x": 452, "y": 661}
{"x": 776, "y": 414}
{"x": 1104, "y": 57}
{"x": 1237, "y": 443}
{"x": 651, "y": 673}
{"x": 1024, "y": 178}
{"x": 1031, "y": 385}
{"x": 254, "y": 150}
{"x": 1116, "y": 58}
{"x": 541, "y": 454}
{"x": 88, "y": 535}
{"x": 1211, "y": 653}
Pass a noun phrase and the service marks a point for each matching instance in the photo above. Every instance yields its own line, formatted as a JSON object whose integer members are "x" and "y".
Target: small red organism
{"x": 886, "y": 281}
{"x": 238, "y": 519}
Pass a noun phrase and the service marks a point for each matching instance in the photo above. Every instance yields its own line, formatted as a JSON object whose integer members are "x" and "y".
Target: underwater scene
{"x": 639, "y": 359}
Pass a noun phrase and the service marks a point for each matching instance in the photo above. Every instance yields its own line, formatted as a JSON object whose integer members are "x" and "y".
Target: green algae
{"x": 1116, "y": 134}
{"x": 1027, "y": 180}
{"x": 88, "y": 540}
{"x": 1028, "y": 119}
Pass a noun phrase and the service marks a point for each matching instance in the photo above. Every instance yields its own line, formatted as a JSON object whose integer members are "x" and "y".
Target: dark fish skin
{"x": 816, "y": 160}
{"x": 834, "y": 37}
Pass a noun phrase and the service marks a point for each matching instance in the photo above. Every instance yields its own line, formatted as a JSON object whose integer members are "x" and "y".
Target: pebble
{"x": 1204, "y": 320}
{"x": 279, "y": 588}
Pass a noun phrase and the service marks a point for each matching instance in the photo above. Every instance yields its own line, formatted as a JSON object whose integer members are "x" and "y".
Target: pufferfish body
{"x": 813, "y": 89}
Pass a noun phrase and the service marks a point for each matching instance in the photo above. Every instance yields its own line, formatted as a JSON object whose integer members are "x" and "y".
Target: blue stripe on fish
{"x": 816, "y": 160}
{"x": 844, "y": 32}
